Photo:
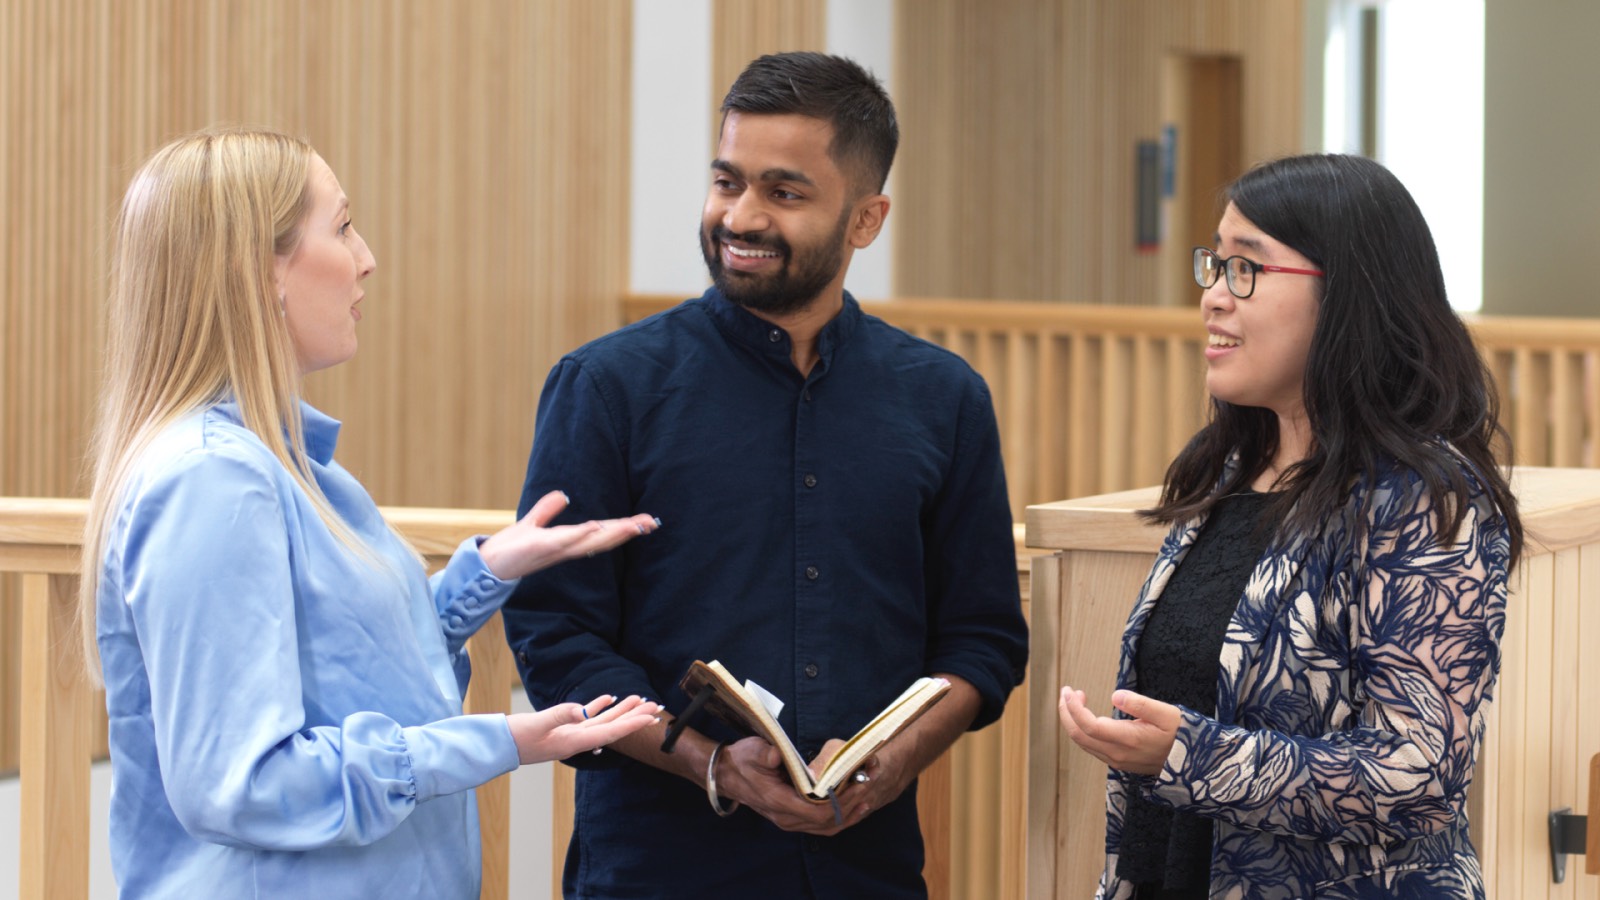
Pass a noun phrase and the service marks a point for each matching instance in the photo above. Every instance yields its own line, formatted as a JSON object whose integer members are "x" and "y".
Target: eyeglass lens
{"x": 1240, "y": 274}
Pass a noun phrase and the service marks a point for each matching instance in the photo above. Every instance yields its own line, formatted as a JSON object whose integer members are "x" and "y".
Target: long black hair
{"x": 1392, "y": 376}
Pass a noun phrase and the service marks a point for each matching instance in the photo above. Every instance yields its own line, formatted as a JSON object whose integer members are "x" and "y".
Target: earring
{"x": 282, "y": 310}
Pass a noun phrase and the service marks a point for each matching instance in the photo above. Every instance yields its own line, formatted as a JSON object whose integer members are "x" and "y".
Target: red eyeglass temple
{"x": 1288, "y": 271}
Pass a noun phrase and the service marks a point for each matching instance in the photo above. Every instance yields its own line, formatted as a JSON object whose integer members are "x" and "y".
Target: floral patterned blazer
{"x": 1351, "y": 694}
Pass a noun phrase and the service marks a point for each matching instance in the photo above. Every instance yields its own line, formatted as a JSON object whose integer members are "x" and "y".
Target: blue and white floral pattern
{"x": 1351, "y": 694}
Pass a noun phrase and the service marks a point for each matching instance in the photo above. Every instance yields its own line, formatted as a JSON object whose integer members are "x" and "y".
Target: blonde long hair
{"x": 195, "y": 317}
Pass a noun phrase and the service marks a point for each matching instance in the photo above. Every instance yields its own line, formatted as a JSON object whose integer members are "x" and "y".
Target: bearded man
{"x": 835, "y": 526}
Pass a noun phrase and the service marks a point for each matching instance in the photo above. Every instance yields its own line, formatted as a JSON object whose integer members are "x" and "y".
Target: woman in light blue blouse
{"x": 283, "y": 682}
{"x": 1305, "y": 673}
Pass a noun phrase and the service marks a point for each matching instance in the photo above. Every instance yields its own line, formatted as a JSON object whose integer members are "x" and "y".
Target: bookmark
{"x": 682, "y": 721}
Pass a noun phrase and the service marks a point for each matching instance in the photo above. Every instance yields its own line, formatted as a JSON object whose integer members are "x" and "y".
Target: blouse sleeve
{"x": 466, "y": 594}
{"x": 204, "y": 572}
{"x": 1427, "y": 618}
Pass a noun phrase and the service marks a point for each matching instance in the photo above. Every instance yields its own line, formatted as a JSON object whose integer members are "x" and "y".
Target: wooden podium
{"x": 1544, "y": 726}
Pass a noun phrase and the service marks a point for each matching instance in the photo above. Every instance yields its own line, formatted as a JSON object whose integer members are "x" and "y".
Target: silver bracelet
{"x": 711, "y": 784}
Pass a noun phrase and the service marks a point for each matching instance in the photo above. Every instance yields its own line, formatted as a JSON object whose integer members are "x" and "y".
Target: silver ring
{"x": 861, "y": 776}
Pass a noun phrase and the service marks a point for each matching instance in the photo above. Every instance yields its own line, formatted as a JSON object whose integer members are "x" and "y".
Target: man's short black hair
{"x": 831, "y": 88}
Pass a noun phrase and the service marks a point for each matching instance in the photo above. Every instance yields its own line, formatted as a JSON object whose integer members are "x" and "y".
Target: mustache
{"x": 755, "y": 240}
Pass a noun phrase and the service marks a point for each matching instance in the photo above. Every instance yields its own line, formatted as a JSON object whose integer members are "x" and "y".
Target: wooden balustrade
{"x": 1094, "y": 399}
{"x": 1089, "y": 400}
{"x": 970, "y": 825}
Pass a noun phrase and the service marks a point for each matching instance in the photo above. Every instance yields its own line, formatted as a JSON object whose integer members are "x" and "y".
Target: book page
{"x": 755, "y": 710}
{"x": 768, "y": 702}
{"x": 909, "y": 705}
{"x": 774, "y": 733}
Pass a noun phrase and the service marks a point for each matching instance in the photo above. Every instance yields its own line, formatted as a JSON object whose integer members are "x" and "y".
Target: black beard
{"x": 790, "y": 289}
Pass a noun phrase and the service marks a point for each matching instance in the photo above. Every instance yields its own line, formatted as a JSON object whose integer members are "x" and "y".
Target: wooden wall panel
{"x": 742, "y": 30}
{"x": 1019, "y": 121}
{"x": 485, "y": 150}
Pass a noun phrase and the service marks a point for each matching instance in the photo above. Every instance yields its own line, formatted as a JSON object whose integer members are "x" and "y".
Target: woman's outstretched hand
{"x": 533, "y": 544}
{"x": 1139, "y": 744}
{"x": 566, "y": 729}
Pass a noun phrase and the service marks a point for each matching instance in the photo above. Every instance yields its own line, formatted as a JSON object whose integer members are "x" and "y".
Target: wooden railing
{"x": 1093, "y": 399}
{"x": 970, "y": 826}
{"x": 1089, "y": 399}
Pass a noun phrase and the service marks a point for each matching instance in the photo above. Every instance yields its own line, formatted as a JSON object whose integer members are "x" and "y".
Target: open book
{"x": 750, "y": 709}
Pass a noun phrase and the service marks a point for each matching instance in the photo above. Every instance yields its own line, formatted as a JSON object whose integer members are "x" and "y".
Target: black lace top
{"x": 1168, "y": 853}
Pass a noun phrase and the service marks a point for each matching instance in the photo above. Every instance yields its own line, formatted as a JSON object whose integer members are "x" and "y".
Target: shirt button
{"x": 774, "y": 335}
{"x": 811, "y": 481}
{"x": 811, "y": 670}
{"x": 812, "y": 573}
{"x": 522, "y": 657}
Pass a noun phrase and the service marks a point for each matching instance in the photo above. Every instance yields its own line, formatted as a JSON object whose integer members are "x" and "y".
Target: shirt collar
{"x": 321, "y": 431}
{"x": 766, "y": 338}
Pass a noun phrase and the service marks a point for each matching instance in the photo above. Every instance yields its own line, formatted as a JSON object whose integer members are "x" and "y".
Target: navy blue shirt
{"x": 831, "y": 537}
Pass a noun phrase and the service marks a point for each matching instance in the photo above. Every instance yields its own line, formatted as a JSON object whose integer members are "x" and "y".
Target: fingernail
{"x": 640, "y": 527}
{"x": 565, "y": 498}
{"x": 656, "y": 520}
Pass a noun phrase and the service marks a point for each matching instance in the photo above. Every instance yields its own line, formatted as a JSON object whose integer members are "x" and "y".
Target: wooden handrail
{"x": 1001, "y": 315}
{"x": 40, "y": 538}
{"x": 1093, "y": 399}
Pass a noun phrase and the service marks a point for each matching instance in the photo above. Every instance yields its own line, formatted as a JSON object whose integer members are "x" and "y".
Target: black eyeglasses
{"x": 1241, "y": 272}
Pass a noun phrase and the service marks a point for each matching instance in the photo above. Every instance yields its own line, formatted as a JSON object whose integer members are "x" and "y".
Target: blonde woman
{"x": 284, "y": 684}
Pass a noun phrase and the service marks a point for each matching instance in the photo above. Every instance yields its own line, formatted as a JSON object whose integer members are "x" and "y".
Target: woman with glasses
{"x": 1305, "y": 673}
{"x": 283, "y": 682}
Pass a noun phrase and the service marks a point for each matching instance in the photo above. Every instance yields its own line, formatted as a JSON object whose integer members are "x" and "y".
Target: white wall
{"x": 671, "y": 144}
{"x": 1430, "y": 97}
{"x": 864, "y": 31}
{"x": 1430, "y": 127}
{"x": 1542, "y": 172}
{"x": 672, "y": 128}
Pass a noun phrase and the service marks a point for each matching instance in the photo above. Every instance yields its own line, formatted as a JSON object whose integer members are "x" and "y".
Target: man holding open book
{"x": 836, "y": 528}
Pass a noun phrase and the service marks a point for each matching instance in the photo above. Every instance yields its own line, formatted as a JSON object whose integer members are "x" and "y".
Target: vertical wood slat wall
{"x": 484, "y": 147}
{"x": 1019, "y": 121}
{"x": 742, "y": 30}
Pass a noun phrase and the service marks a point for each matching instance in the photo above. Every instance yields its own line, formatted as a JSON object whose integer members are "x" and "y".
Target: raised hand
{"x": 532, "y": 543}
{"x": 564, "y": 730}
{"x": 1139, "y": 745}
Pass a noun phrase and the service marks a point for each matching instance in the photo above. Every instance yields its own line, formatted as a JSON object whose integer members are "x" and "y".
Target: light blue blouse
{"x": 285, "y": 720}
